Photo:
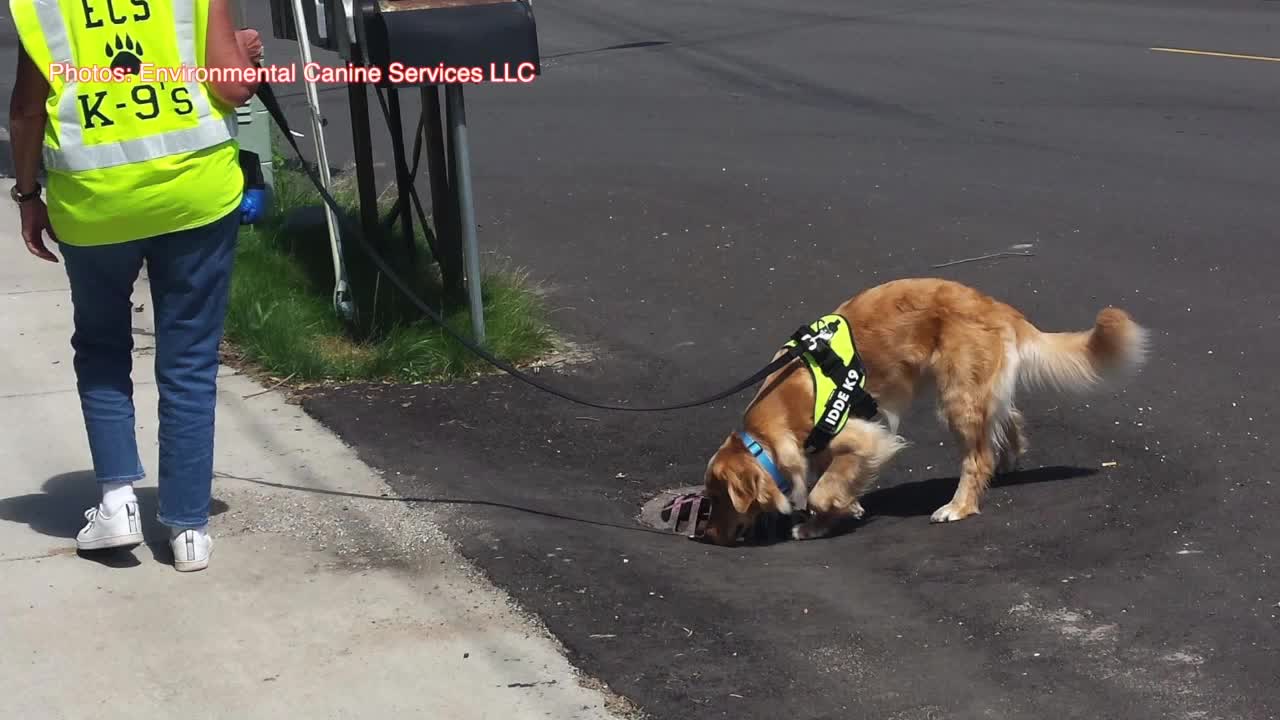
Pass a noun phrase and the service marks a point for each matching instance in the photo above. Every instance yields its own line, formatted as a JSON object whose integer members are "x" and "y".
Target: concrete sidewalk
{"x": 325, "y": 597}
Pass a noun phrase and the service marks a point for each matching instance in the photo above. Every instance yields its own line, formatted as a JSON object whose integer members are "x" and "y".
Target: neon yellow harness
{"x": 839, "y": 380}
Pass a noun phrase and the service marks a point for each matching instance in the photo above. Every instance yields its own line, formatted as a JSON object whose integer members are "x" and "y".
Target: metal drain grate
{"x": 684, "y": 519}
{"x": 658, "y": 514}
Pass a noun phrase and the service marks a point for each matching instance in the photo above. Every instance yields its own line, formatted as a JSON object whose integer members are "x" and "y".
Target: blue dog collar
{"x": 762, "y": 457}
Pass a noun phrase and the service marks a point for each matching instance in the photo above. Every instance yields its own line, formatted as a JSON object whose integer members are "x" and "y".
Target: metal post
{"x": 342, "y": 300}
{"x": 466, "y": 210}
{"x": 363, "y": 151}
{"x": 404, "y": 182}
{"x": 443, "y": 208}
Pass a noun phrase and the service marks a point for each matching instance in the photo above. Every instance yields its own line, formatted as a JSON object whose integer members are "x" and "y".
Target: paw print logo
{"x": 125, "y": 55}
{"x": 827, "y": 331}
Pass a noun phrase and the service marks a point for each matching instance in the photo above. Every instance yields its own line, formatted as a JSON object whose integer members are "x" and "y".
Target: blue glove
{"x": 254, "y": 206}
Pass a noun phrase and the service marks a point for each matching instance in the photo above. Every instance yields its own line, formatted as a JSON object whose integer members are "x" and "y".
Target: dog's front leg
{"x": 834, "y": 499}
{"x": 793, "y": 464}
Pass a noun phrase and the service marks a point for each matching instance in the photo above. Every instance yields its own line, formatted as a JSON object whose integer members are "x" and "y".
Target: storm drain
{"x": 678, "y": 510}
{"x": 684, "y": 511}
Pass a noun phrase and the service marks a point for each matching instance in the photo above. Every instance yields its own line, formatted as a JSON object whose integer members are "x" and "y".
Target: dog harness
{"x": 839, "y": 389}
{"x": 839, "y": 379}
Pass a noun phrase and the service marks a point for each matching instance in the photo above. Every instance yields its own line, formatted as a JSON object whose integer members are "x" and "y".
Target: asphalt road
{"x": 729, "y": 171}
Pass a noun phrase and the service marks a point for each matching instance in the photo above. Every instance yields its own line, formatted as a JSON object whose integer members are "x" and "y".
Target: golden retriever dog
{"x": 973, "y": 350}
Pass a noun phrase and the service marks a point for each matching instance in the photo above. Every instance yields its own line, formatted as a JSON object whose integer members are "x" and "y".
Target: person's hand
{"x": 35, "y": 223}
{"x": 251, "y": 42}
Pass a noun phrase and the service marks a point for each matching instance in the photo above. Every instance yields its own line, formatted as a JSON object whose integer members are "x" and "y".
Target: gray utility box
{"x": 255, "y": 136}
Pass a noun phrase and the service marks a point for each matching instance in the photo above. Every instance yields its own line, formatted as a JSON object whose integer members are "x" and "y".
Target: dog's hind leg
{"x": 1014, "y": 444}
{"x": 977, "y": 412}
{"x": 1009, "y": 436}
{"x": 975, "y": 473}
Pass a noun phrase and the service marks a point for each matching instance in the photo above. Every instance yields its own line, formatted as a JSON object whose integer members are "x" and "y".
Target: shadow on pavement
{"x": 58, "y": 511}
{"x": 922, "y": 497}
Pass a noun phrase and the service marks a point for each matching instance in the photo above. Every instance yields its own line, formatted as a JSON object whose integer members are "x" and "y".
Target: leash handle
{"x": 267, "y": 94}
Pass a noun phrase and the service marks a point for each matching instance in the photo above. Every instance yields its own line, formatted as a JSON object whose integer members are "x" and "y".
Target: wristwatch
{"x": 20, "y": 198}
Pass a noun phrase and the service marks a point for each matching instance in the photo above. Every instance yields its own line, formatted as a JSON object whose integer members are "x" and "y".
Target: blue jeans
{"x": 190, "y": 276}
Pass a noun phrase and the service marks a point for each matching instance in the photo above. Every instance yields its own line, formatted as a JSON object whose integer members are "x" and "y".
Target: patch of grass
{"x": 282, "y": 319}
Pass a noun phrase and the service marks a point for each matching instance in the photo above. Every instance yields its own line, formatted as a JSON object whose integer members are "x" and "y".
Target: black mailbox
{"x": 498, "y": 36}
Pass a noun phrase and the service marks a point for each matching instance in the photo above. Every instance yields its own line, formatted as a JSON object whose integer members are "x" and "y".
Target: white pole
{"x": 341, "y": 290}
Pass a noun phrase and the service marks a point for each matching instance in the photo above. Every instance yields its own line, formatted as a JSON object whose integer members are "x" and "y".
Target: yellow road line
{"x": 1216, "y": 54}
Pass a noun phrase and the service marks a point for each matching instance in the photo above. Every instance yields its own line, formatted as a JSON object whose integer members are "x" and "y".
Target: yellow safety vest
{"x": 139, "y": 154}
{"x": 839, "y": 382}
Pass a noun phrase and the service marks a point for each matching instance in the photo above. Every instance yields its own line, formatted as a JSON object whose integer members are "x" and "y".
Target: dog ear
{"x": 768, "y": 494}
{"x": 744, "y": 489}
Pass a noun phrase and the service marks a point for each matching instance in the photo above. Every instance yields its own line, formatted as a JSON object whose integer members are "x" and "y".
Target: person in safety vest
{"x": 141, "y": 161}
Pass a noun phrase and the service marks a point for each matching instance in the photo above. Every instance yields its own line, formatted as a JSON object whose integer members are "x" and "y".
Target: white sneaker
{"x": 124, "y": 529}
{"x": 191, "y": 550}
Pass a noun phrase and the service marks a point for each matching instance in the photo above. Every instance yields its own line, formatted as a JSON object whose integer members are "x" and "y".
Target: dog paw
{"x": 856, "y": 511}
{"x": 951, "y": 513}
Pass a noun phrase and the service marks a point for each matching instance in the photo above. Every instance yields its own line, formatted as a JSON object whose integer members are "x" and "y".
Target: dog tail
{"x": 1074, "y": 362}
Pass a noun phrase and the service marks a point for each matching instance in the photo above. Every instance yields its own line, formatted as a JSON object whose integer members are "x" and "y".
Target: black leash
{"x": 805, "y": 342}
